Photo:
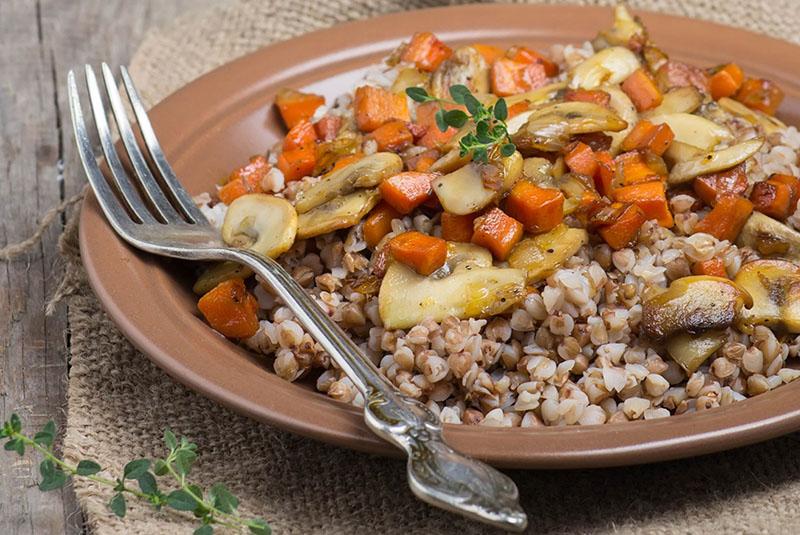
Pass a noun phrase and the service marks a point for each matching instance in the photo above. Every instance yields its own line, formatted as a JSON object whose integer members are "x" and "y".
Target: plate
{"x": 216, "y": 122}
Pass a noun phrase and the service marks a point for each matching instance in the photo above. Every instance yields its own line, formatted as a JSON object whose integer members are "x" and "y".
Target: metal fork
{"x": 153, "y": 212}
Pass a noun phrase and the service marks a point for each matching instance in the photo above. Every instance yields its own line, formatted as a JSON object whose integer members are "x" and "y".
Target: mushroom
{"x": 690, "y": 351}
{"x": 540, "y": 255}
{"x": 624, "y": 107}
{"x": 468, "y": 287}
{"x": 609, "y": 66}
{"x": 768, "y": 237}
{"x": 262, "y": 223}
{"x": 770, "y": 124}
{"x": 693, "y": 305}
{"x": 467, "y": 67}
{"x": 217, "y": 273}
{"x": 681, "y": 152}
{"x": 694, "y": 130}
{"x": 341, "y": 212}
{"x": 465, "y": 190}
{"x": 367, "y": 172}
{"x": 409, "y": 77}
{"x": 550, "y": 127}
{"x": 625, "y": 28}
{"x": 712, "y": 162}
{"x": 537, "y": 96}
{"x": 775, "y": 288}
{"x": 539, "y": 171}
{"x": 677, "y": 100}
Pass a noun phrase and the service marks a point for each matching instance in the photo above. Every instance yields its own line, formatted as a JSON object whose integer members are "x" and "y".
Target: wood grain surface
{"x": 40, "y": 40}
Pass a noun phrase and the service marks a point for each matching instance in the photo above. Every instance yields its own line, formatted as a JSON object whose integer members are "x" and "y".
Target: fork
{"x": 150, "y": 210}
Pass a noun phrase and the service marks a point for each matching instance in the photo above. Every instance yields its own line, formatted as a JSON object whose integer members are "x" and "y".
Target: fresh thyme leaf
{"x": 16, "y": 423}
{"x": 456, "y": 118}
{"x": 181, "y": 500}
{"x": 507, "y": 149}
{"x": 501, "y": 110}
{"x": 222, "y": 498}
{"x": 117, "y": 504}
{"x": 459, "y": 93}
{"x": 259, "y": 527}
{"x": 147, "y": 483}
{"x": 184, "y": 458}
{"x": 87, "y": 468}
{"x": 205, "y": 529}
{"x": 482, "y": 132}
{"x": 474, "y": 106}
{"x": 15, "y": 444}
{"x": 135, "y": 468}
{"x": 46, "y": 436}
{"x": 52, "y": 478}
{"x": 440, "y": 120}
{"x": 417, "y": 94}
{"x": 169, "y": 439}
{"x": 160, "y": 468}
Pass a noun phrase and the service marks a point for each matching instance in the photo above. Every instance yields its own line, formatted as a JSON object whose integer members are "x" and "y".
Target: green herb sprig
{"x": 216, "y": 507}
{"x": 490, "y": 131}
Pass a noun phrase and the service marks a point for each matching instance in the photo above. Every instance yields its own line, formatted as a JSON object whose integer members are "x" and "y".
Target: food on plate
{"x": 519, "y": 236}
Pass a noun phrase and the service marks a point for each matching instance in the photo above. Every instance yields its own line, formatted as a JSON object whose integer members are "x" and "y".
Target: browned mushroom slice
{"x": 770, "y": 237}
{"x": 690, "y": 351}
{"x": 775, "y": 288}
{"x": 341, "y": 212}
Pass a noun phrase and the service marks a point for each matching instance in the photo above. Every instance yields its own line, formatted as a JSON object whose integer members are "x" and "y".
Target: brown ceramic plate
{"x": 218, "y": 121}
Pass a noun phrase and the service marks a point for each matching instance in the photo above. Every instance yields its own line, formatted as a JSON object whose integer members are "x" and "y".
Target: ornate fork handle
{"x": 437, "y": 474}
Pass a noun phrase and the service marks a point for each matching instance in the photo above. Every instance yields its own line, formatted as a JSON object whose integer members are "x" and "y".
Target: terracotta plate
{"x": 215, "y": 123}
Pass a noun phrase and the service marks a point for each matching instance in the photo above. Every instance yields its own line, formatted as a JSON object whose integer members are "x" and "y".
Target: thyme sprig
{"x": 215, "y": 507}
{"x": 490, "y": 128}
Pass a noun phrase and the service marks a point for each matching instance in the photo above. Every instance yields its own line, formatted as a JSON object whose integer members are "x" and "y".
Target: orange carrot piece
{"x": 425, "y": 254}
{"x": 651, "y": 197}
{"x": 489, "y": 52}
{"x": 497, "y": 232}
{"x": 300, "y": 135}
{"x": 606, "y": 170}
{"x": 791, "y": 181}
{"x": 538, "y": 209}
{"x": 295, "y": 106}
{"x": 760, "y": 94}
{"x": 642, "y": 90}
{"x": 230, "y": 309}
{"x": 458, "y": 227}
{"x": 646, "y": 135}
{"x": 526, "y": 55}
{"x": 511, "y": 77}
{"x": 726, "y": 81}
{"x": 297, "y": 163}
{"x": 379, "y": 223}
{"x": 406, "y": 191}
{"x": 516, "y": 109}
{"x": 730, "y": 182}
{"x": 593, "y": 96}
{"x": 713, "y": 267}
{"x": 422, "y": 162}
{"x": 426, "y": 51}
{"x": 624, "y": 230}
{"x": 726, "y": 219}
{"x": 328, "y": 127}
{"x": 580, "y": 159}
{"x": 426, "y": 117}
{"x": 246, "y": 179}
{"x": 392, "y": 136}
{"x": 633, "y": 168}
{"x": 773, "y": 198}
{"x": 375, "y": 106}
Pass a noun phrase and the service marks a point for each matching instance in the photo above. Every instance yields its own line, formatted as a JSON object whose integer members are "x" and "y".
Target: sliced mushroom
{"x": 550, "y": 127}
{"x": 694, "y": 130}
{"x": 678, "y": 100}
{"x": 693, "y": 305}
{"x": 539, "y": 171}
{"x": 711, "y": 162}
{"x": 261, "y": 223}
{"x": 217, "y": 273}
{"x": 537, "y": 96}
{"x": 624, "y": 107}
{"x": 341, "y": 212}
{"x": 409, "y": 77}
{"x": 367, "y": 172}
{"x": 681, "y": 152}
{"x": 472, "y": 288}
{"x": 467, "y": 67}
{"x": 541, "y": 255}
{"x": 770, "y": 237}
{"x": 690, "y": 351}
{"x": 775, "y": 288}
{"x": 465, "y": 191}
{"x": 625, "y": 28}
{"x": 609, "y": 66}
{"x": 770, "y": 124}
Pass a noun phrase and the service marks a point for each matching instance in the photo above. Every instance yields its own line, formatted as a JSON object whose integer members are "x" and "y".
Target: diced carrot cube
{"x": 328, "y": 127}
{"x": 458, "y": 227}
{"x": 773, "y": 198}
{"x": 433, "y": 137}
{"x": 651, "y": 197}
{"x": 379, "y": 223}
{"x": 497, "y": 232}
{"x": 426, "y": 51}
{"x": 295, "y": 106}
{"x": 425, "y": 254}
{"x": 580, "y": 159}
{"x": 392, "y": 136}
{"x": 624, "y": 230}
{"x": 726, "y": 219}
{"x": 297, "y": 163}
{"x": 375, "y": 106}
{"x": 300, "y": 135}
{"x": 593, "y": 96}
{"x": 511, "y": 77}
{"x": 538, "y": 209}
{"x": 713, "y": 267}
{"x": 634, "y": 169}
{"x": 726, "y": 81}
{"x": 526, "y": 55}
{"x": 730, "y": 182}
{"x": 422, "y": 162}
{"x": 642, "y": 90}
{"x": 791, "y": 181}
{"x": 646, "y": 135}
{"x": 230, "y": 309}
{"x": 489, "y": 52}
{"x": 246, "y": 179}
{"x": 406, "y": 191}
{"x": 760, "y": 94}
{"x": 606, "y": 171}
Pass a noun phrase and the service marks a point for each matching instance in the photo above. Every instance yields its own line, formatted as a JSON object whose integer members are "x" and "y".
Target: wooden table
{"x": 40, "y": 40}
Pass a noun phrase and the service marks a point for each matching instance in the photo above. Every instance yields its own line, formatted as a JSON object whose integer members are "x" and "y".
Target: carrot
{"x": 379, "y": 223}
{"x": 246, "y": 179}
{"x": 646, "y": 135}
{"x": 422, "y": 162}
{"x": 726, "y": 219}
{"x": 392, "y": 136}
{"x": 300, "y": 135}
{"x": 426, "y": 51}
{"x": 791, "y": 181}
{"x": 714, "y": 267}
{"x": 375, "y": 106}
{"x": 230, "y": 309}
{"x": 606, "y": 170}
{"x": 407, "y": 190}
{"x": 632, "y": 168}
{"x": 726, "y": 81}
{"x": 593, "y": 96}
{"x": 623, "y": 230}
{"x": 297, "y": 163}
{"x": 526, "y": 55}
{"x": 426, "y": 117}
{"x": 489, "y": 52}
{"x": 516, "y": 109}
{"x": 295, "y": 106}
{"x": 642, "y": 90}
{"x": 580, "y": 159}
{"x": 425, "y": 254}
{"x": 730, "y": 182}
{"x": 538, "y": 209}
{"x": 651, "y": 197}
{"x": 773, "y": 198}
{"x": 760, "y": 94}
{"x": 344, "y": 161}
{"x": 497, "y": 232}
{"x": 511, "y": 77}
{"x": 458, "y": 227}
{"x": 328, "y": 127}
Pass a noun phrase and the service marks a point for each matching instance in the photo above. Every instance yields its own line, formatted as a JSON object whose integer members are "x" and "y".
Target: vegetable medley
{"x": 612, "y": 230}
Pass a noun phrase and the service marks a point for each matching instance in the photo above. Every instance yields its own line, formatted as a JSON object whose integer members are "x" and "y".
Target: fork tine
{"x": 128, "y": 192}
{"x": 151, "y": 187}
{"x": 111, "y": 206}
{"x": 179, "y": 194}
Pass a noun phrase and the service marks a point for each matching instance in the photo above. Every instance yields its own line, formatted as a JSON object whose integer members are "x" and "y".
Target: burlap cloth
{"x": 119, "y": 402}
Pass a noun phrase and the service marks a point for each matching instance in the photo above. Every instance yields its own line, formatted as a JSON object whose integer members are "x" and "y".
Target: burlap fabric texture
{"x": 119, "y": 402}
